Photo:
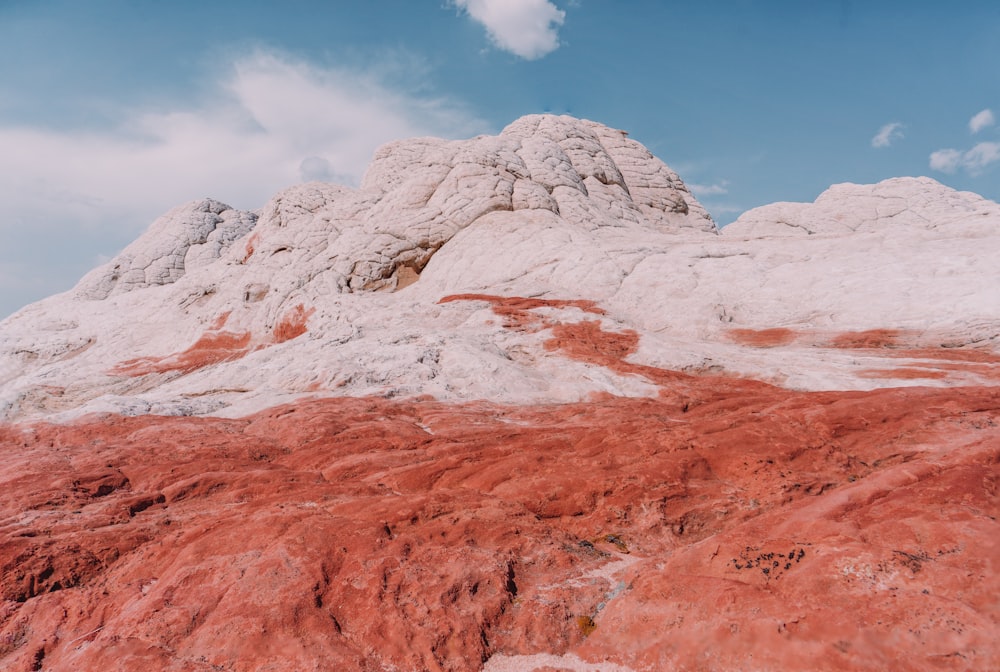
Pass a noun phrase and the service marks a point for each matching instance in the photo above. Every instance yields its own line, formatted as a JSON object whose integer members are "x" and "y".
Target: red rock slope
{"x": 725, "y": 524}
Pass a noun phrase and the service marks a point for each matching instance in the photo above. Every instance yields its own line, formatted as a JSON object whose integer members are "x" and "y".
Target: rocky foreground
{"x": 513, "y": 404}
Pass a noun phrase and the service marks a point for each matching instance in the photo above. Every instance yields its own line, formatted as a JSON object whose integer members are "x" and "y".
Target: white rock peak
{"x": 332, "y": 291}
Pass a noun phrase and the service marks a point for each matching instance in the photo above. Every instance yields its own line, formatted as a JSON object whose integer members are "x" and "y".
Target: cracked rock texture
{"x": 196, "y": 316}
{"x": 911, "y": 203}
{"x": 188, "y": 236}
{"x": 514, "y": 403}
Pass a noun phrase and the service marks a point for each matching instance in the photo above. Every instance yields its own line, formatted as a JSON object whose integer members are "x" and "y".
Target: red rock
{"x": 211, "y": 348}
{"x": 977, "y": 355}
{"x": 215, "y": 346}
{"x": 726, "y": 524}
{"x": 251, "y": 246}
{"x": 515, "y": 309}
{"x": 930, "y": 362}
{"x": 378, "y": 534}
{"x": 903, "y": 373}
{"x": 292, "y": 324}
{"x": 873, "y": 338}
{"x": 763, "y": 338}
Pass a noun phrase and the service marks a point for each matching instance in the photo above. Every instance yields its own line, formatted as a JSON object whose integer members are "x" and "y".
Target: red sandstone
{"x": 978, "y": 362}
{"x": 292, "y": 324}
{"x": 727, "y": 524}
{"x": 220, "y": 321}
{"x": 903, "y": 373}
{"x": 211, "y": 348}
{"x": 216, "y": 346}
{"x": 342, "y": 534}
{"x": 873, "y": 338}
{"x": 251, "y": 246}
{"x": 516, "y": 309}
{"x": 763, "y": 338}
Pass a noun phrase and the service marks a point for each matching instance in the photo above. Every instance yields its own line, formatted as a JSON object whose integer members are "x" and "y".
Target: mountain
{"x": 515, "y": 403}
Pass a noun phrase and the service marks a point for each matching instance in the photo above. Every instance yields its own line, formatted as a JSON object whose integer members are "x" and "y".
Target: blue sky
{"x": 113, "y": 111}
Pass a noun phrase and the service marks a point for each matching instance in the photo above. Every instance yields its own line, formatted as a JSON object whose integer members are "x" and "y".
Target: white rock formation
{"x": 219, "y": 311}
{"x": 913, "y": 203}
{"x": 188, "y": 236}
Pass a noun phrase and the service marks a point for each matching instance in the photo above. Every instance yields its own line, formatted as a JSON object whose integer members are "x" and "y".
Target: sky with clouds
{"x": 114, "y": 111}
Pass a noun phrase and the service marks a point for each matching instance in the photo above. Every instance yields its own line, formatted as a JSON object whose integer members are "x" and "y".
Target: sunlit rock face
{"x": 514, "y": 403}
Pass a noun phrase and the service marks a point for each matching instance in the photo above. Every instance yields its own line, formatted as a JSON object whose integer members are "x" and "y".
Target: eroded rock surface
{"x": 187, "y": 237}
{"x": 513, "y": 404}
{"x": 552, "y": 207}
{"x": 910, "y": 203}
{"x": 725, "y": 524}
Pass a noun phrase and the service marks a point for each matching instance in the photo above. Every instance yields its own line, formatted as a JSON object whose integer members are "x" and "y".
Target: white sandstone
{"x": 553, "y": 207}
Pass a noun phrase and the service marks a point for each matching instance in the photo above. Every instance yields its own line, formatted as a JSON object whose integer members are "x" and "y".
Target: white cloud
{"x": 888, "y": 133}
{"x": 701, "y": 190}
{"x": 719, "y": 209}
{"x": 946, "y": 160}
{"x": 980, "y": 156}
{"x": 981, "y": 120}
{"x": 273, "y": 122}
{"x": 315, "y": 168}
{"x": 276, "y": 122}
{"x": 527, "y": 28}
{"x": 973, "y": 161}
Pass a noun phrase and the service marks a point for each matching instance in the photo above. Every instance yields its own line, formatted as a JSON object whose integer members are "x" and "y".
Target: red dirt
{"x": 763, "y": 338}
{"x": 292, "y": 324}
{"x": 936, "y": 369}
{"x": 583, "y": 341}
{"x": 987, "y": 371}
{"x": 979, "y": 362}
{"x": 586, "y": 341}
{"x": 938, "y": 363}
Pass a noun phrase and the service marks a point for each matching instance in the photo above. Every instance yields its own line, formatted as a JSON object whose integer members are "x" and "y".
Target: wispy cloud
{"x": 946, "y": 160}
{"x": 527, "y": 28}
{"x": 277, "y": 121}
{"x": 980, "y": 156}
{"x": 716, "y": 189}
{"x": 720, "y": 209}
{"x": 887, "y": 134}
{"x": 981, "y": 120}
{"x": 973, "y": 161}
{"x": 274, "y": 121}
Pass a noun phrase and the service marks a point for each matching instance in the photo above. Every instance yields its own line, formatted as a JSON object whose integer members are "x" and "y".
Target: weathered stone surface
{"x": 551, "y": 207}
{"x": 513, "y": 404}
{"x": 323, "y": 249}
{"x": 187, "y": 237}
{"x": 897, "y": 204}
